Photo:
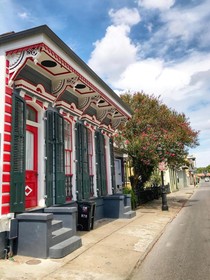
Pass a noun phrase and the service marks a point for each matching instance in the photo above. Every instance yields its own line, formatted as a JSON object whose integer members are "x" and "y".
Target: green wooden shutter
{"x": 82, "y": 165}
{"x": 55, "y": 166}
{"x": 60, "y": 196}
{"x": 112, "y": 165}
{"x": 98, "y": 173}
{"x": 17, "y": 191}
{"x": 101, "y": 164}
{"x": 86, "y": 175}
{"x": 78, "y": 141}
{"x": 49, "y": 144}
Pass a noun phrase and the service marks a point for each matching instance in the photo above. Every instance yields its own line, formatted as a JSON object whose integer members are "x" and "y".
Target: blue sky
{"x": 161, "y": 47}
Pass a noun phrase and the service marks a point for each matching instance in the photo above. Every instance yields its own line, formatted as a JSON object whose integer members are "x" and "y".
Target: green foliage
{"x": 154, "y": 133}
{"x": 203, "y": 169}
{"x": 155, "y": 179}
{"x": 133, "y": 196}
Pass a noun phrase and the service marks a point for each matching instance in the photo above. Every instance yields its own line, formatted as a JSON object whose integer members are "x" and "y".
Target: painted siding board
{"x": 5, "y": 188}
{"x": 7, "y": 157}
{"x": 5, "y": 209}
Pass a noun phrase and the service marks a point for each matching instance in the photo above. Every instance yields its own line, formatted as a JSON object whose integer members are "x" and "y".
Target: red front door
{"x": 31, "y": 167}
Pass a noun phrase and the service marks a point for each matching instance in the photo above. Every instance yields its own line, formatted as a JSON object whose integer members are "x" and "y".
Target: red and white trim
{"x": 18, "y": 57}
{"x": 5, "y": 208}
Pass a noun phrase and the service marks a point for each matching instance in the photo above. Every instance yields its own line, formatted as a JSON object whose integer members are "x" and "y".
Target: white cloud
{"x": 186, "y": 22}
{"x": 115, "y": 58}
{"x": 179, "y": 79}
{"x": 180, "y": 29}
{"x": 156, "y": 4}
{"x": 125, "y": 16}
{"x": 139, "y": 75}
{"x": 14, "y": 17}
{"x": 113, "y": 53}
{"x": 183, "y": 84}
{"x": 23, "y": 15}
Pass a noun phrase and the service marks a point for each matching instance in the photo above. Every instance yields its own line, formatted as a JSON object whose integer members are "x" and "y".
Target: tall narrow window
{"x": 68, "y": 147}
{"x": 29, "y": 151}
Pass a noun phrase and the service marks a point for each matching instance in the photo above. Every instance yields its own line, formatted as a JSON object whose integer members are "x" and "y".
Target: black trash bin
{"x": 86, "y": 213}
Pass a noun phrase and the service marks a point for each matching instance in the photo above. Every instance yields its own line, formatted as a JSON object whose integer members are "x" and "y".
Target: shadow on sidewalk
{"x": 97, "y": 224}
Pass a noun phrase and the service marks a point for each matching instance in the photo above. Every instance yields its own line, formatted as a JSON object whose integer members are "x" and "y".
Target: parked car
{"x": 207, "y": 179}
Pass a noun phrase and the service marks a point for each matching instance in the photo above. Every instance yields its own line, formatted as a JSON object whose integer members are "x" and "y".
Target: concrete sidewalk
{"x": 110, "y": 251}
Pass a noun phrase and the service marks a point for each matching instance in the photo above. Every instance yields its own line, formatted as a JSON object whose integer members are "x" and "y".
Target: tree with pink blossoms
{"x": 155, "y": 133}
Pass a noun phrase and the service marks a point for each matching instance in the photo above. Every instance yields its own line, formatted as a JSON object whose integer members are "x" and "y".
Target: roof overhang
{"x": 41, "y": 49}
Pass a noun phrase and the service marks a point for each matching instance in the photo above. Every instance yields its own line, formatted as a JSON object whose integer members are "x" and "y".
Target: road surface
{"x": 183, "y": 251}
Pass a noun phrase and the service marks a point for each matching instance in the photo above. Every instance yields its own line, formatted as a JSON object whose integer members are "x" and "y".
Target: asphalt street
{"x": 183, "y": 251}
